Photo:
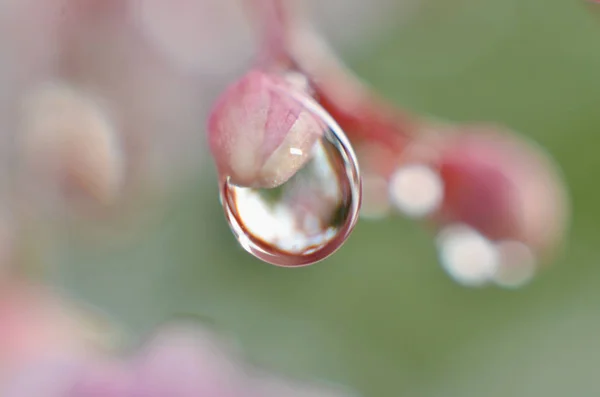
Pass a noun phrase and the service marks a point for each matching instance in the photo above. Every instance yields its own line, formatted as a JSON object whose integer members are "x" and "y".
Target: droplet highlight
{"x": 310, "y": 216}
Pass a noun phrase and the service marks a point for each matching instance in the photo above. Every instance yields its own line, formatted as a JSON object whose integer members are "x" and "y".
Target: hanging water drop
{"x": 311, "y": 214}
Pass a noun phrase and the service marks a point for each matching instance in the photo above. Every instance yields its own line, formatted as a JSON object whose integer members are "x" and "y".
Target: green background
{"x": 380, "y": 315}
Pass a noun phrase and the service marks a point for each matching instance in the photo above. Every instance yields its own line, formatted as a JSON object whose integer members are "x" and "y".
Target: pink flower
{"x": 260, "y": 134}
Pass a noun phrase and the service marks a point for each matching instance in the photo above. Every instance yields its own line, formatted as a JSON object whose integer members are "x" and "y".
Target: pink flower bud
{"x": 498, "y": 184}
{"x": 254, "y": 127}
{"x": 497, "y": 201}
{"x": 504, "y": 187}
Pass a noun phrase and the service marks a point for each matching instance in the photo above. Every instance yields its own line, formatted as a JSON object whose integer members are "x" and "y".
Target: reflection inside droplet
{"x": 308, "y": 217}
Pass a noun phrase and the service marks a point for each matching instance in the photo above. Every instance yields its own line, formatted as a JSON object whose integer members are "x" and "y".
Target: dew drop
{"x": 311, "y": 215}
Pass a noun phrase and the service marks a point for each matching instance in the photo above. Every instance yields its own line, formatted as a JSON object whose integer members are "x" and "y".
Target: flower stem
{"x": 288, "y": 41}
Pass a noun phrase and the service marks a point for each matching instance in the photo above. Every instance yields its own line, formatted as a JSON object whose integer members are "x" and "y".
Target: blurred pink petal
{"x": 37, "y": 325}
{"x": 186, "y": 362}
{"x": 103, "y": 379}
{"x": 43, "y": 378}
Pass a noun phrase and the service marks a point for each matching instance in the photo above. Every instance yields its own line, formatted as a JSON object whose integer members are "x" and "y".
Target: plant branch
{"x": 289, "y": 41}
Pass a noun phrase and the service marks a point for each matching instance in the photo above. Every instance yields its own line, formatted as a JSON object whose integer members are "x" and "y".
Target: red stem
{"x": 364, "y": 116}
{"x": 272, "y": 19}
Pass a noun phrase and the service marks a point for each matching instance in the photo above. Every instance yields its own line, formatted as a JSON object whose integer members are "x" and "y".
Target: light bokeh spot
{"x": 517, "y": 265}
{"x": 467, "y": 256}
{"x": 416, "y": 190}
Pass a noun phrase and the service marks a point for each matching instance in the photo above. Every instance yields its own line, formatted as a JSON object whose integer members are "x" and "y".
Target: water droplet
{"x": 311, "y": 215}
